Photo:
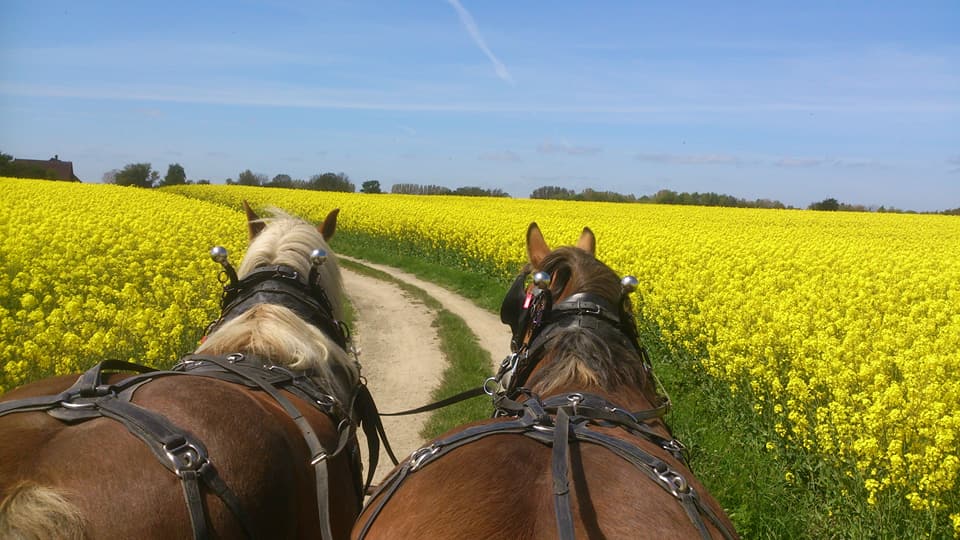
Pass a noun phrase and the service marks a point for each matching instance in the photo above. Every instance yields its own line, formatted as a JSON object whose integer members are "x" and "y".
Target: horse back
{"x": 121, "y": 489}
{"x": 501, "y": 486}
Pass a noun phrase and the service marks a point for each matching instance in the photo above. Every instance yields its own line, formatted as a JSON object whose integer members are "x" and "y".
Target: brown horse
{"x": 577, "y": 448}
{"x": 253, "y": 435}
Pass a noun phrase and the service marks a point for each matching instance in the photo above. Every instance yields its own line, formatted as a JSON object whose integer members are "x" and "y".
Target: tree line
{"x": 143, "y": 175}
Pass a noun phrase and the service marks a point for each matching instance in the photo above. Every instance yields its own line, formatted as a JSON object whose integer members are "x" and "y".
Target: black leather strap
{"x": 555, "y": 422}
{"x": 456, "y": 398}
{"x": 561, "y": 480}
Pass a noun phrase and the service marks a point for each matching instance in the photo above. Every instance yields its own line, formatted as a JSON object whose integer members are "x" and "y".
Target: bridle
{"x": 535, "y": 320}
{"x": 280, "y": 285}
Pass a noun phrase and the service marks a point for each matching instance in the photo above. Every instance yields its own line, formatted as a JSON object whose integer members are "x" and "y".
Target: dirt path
{"x": 492, "y": 334}
{"x": 399, "y": 348}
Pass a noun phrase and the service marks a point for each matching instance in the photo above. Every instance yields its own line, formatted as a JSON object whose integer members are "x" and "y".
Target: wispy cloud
{"x": 795, "y": 162}
{"x": 691, "y": 159}
{"x": 505, "y": 155}
{"x": 954, "y": 163}
{"x": 468, "y": 23}
{"x": 806, "y": 162}
{"x": 566, "y": 148}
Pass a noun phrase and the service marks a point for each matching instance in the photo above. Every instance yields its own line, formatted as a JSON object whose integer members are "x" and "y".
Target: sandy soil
{"x": 399, "y": 348}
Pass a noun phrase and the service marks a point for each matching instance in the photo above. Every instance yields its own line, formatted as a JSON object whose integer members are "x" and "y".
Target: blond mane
{"x": 275, "y": 332}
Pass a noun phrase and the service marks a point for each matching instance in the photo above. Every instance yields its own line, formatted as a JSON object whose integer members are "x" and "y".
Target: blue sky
{"x": 794, "y": 101}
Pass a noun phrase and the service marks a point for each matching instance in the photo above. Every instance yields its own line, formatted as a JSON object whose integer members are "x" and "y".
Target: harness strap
{"x": 531, "y": 419}
{"x": 561, "y": 480}
{"x": 423, "y": 456}
{"x": 318, "y": 455}
{"x": 181, "y": 453}
{"x": 373, "y": 430}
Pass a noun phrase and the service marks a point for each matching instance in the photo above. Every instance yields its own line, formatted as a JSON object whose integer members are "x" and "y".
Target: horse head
{"x": 573, "y": 325}
{"x": 284, "y": 303}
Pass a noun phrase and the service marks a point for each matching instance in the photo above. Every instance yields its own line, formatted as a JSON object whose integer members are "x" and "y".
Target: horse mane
{"x": 275, "y": 332}
{"x": 583, "y": 358}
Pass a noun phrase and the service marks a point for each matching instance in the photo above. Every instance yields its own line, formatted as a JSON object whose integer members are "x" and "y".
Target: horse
{"x": 577, "y": 447}
{"x": 252, "y": 435}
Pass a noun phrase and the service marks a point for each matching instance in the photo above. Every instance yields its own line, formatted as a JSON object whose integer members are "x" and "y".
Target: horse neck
{"x": 619, "y": 376}
{"x": 279, "y": 335}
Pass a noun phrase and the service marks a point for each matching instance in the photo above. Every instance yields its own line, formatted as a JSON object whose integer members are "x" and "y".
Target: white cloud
{"x": 468, "y": 23}
{"x": 690, "y": 159}
{"x": 566, "y": 148}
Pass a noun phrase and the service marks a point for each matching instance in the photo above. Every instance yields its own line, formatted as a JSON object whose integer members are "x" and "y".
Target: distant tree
{"x": 829, "y": 205}
{"x": 136, "y": 174}
{"x": 475, "y": 191}
{"x": 331, "y": 182}
{"x": 280, "y": 181}
{"x": 553, "y": 192}
{"x": 589, "y": 194}
{"x": 248, "y": 178}
{"x": 5, "y": 161}
{"x": 371, "y": 186}
{"x": 203, "y": 181}
{"x": 110, "y": 177}
{"x": 175, "y": 175}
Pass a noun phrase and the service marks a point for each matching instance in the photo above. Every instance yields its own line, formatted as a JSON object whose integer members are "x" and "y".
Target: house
{"x": 52, "y": 169}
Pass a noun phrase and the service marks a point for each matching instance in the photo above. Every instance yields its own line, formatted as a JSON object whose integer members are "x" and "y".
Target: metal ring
{"x": 486, "y": 388}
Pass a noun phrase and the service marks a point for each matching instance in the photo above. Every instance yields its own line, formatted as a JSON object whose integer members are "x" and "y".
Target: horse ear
{"x": 587, "y": 241}
{"x": 329, "y": 225}
{"x": 253, "y": 221}
{"x": 537, "y": 247}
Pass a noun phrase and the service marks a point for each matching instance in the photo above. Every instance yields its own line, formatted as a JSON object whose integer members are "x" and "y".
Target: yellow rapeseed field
{"x": 91, "y": 272}
{"x": 843, "y": 327}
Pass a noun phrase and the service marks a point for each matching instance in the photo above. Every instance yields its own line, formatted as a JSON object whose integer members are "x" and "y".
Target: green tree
{"x": 175, "y": 175}
{"x": 829, "y": 205}
{"x": 136, "y": 174}
{"x": 552, "y": 192}
{"x": 371, "y": 186}
{"x": 281, "y": 181}
{"x": 248, "y": 178}
{"x": 331, "y": 182}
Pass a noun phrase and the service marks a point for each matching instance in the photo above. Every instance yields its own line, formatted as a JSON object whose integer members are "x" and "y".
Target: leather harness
{"x": 182, "y": 452}
{"x": 558, "y": 420}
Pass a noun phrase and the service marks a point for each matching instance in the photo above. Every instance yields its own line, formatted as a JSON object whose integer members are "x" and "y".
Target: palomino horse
{"x": 253, "y": 435}
{"x": 577, "y": 448}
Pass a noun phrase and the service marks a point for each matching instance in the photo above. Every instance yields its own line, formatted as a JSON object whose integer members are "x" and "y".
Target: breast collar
{"x": 281, "y": 285}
